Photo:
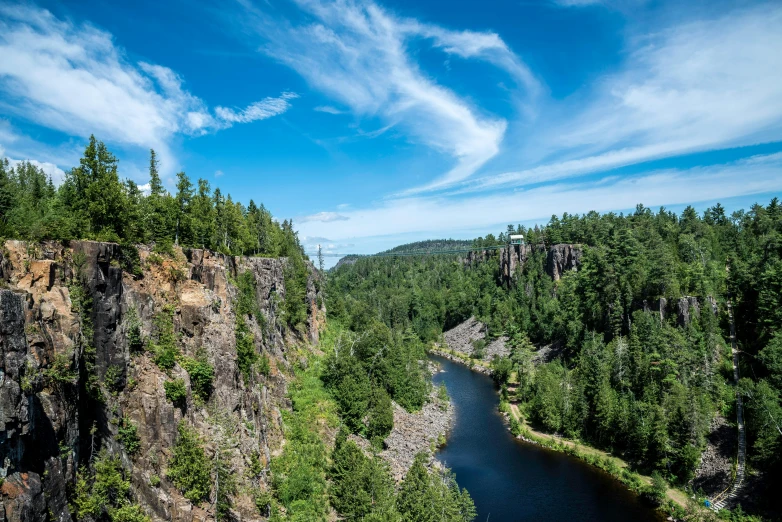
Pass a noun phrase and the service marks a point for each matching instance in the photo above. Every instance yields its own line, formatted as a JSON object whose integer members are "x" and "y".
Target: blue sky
{"x": 371, "y": 124}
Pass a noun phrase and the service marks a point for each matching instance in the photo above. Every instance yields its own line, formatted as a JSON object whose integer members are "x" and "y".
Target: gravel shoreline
{"x": 413, "y": 433}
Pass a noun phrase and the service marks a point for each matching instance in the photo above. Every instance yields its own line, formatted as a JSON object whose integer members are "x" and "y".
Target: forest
{"x": 349, "y": 385}
{"x": 626, "y": 379}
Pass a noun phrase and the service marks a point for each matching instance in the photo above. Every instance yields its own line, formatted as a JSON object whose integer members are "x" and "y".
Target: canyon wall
{"x": 76, "y": 327}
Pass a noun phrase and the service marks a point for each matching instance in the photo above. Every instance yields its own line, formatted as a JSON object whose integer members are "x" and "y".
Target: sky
{"x": 372, "y": 124}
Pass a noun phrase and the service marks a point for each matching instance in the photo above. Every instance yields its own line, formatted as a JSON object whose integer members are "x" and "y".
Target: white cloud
{"x": 443, "y": 216}
{"x": 219, "y": 173}
{"x": 73, "y": 78}
{"x": 357, "y": 53}
{"x": 328, "y": 109}
{"x": 698, "y": 86}
{"x": 323, "y": 217}
{"x": 261, "y": 110}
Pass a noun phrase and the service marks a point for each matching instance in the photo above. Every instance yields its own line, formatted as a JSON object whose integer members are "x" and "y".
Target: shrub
{"x": 189, "y": 467}
{"x": 60, "y": 371}
{"x": 113, "y": 378}
{"x": 246, "y": 355}
{"x": 201, "y": 376}
{"x": 127, "y": 434}
{"x": 657, "y": 491}
{"x": 165, "y": 347}
{"x": 176, "y": 391}
{"x": 264, "y": 367}
{"x": 129, "y": 259}
{"x": 135, "y": 341}
{"x": 154, "y": 481}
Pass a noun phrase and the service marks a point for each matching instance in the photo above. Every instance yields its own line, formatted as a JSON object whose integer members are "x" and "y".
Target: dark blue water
{"x": 512, "y": 480}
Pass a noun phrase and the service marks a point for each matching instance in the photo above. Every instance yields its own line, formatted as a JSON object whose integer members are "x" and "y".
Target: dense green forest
{"x": 625, "y": 380}
{"x": 365, "y": 365}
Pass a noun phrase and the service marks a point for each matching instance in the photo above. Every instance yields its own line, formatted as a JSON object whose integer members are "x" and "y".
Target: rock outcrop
{"x": 562, "y": 258}
{"x": 462, "y": 338}
{"x": 559, "y": 259}
{"x": 68, "y": 312}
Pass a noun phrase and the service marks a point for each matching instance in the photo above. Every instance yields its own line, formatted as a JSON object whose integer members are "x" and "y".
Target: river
{"x": 512, "y": 480}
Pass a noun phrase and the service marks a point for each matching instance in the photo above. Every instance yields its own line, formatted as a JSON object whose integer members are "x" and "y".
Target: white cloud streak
{"x": 447, "y": 216}
{"x": 261, "y": 110}
{"x": 323, "y": 217}
{"x": 358, "y": 54}
{"x": 73, "y": 78}
{"x": 694, "y": 87}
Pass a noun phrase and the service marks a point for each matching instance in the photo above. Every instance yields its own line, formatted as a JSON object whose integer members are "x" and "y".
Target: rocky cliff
{"x": 559, "y": 259}
{"x": 77, "y": 324}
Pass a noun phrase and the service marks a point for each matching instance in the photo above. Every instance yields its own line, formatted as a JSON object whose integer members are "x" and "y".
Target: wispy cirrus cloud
{"x": 261, "y": 110}
{"x": 328, "y": 109}
{"x": 323, "y": 217}
{"x": 696, "y": 86}
{"x": 73, "y": 78}
{"x": 444, "y": 216}
{"x": 359, "y": 54}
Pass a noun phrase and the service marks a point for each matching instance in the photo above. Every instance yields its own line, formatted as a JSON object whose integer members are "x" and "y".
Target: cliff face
{"x": 68, "y": 316}
{"x": 559, "y": 259}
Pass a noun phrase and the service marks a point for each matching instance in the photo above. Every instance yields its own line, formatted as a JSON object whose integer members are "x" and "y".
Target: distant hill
{"x": 419, "y": 247}
{"x": 430, "y": 245}
{"x": 347, "y": 260}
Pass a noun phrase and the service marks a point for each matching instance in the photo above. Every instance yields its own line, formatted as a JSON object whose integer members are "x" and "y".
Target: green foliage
{"x": 105, "y": 491}
{"x": 154, "y": 481}
{"x": 113, "y": 379}
{"x": 433, "y": 496}
{"x": 263, "y": 365}
{"x": 164, "y": 347}
{"x": 93, "y": 203}
{"x": 201, "y": 376}
{"x": 361, "y": 487}
{"x": 380, "y": 414}
{"x": 657, "y": 491}
{"x": 133, "y": 329}
{"x": 60, "y": 371}
{"x": 176, "y": 392}
{"x": 189, "y": 468}
{"x": 127, "y": 434}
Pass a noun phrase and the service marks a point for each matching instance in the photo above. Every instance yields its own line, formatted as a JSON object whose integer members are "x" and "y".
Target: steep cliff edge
{"x": 81, "y": 325}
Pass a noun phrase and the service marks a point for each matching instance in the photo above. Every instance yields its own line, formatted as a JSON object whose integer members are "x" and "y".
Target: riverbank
{"x": 676, "y": 505}
{"x": 412, "y": 433}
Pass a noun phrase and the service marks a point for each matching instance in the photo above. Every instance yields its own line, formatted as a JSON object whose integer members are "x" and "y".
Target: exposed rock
{"x": 713, "y": 474}
{"x": 461, "y": 339}
{"x": 687, "y": 307}
{"x": 47, "y": 423}
{"x": 561, "y": 258}
{"x": 413, "y": 433}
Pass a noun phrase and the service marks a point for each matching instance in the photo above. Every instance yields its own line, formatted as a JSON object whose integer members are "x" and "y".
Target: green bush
{"x": 127, "y": 434}
{"x": 263, "y": 366}
{"x": 165, "y": 346}
{"x": 201, "y": 376}
{"x": 113, "y": 378}
{"x": 176, "y": 391}
{"x": 189, "y": 467}
{"x": 105, "y": 491}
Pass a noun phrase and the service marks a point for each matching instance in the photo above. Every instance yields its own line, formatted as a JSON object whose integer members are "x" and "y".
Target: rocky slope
{"x": 75, "y": 365}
